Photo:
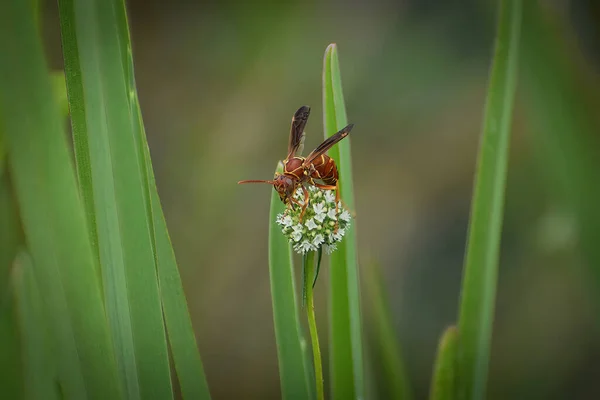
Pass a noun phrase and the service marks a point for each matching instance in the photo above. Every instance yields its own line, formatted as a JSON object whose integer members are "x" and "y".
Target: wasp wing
{"x": 297, "y": 131}
{"x": 327, "y": 144}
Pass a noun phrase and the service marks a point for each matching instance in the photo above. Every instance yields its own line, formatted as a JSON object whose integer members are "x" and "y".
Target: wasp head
{"x": 284, "y": 186}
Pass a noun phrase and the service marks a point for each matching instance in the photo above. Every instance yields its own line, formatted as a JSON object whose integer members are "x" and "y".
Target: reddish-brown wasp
{"x": 317, "y": 168}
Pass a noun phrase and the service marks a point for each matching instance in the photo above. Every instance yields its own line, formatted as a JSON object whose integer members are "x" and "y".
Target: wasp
{"x": 317, "y": 168}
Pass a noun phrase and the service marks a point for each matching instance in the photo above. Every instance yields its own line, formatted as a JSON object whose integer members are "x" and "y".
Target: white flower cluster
{"x": 318, "y": 226}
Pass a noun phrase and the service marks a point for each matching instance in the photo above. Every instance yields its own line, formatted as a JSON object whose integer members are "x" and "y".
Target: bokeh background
{"x": 218, "y": 84}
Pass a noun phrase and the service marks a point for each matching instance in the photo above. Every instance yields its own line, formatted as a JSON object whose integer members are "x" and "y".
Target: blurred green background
{"x": 218, "y": 83}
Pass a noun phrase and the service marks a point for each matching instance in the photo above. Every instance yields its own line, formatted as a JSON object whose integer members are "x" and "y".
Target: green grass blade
{"x": 388, "y": 349}
{"x": 51, "y": 211}
{"x": 96, "y": 78}
{"x": 443, "y": 382}
{"x": 11, "y": 378}
{"x": 11, "y": 235}
{"x": 10, "y": 239}
{"x": 345, "y": 332}
{"x": 181, "y": 336}
{"x": 40, "y": 375}
{"x": 182, "y": 339}
{"x": 563, "y": 108}
{"x": 76, "y": 105}
{"x": 293, "y": 369}
{"x": 481, "y": 264}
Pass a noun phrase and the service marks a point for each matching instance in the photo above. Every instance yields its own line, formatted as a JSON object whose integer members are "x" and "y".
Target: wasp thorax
{"x": 294, "y": 166}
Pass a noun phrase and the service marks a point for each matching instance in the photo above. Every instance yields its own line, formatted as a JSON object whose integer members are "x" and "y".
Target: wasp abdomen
{"x": 324, "y": 169}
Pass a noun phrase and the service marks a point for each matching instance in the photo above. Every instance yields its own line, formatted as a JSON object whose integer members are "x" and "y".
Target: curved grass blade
{"x": 294, "y": 374}
{"x": 39, "y": 369}
{"x": 388, "y": 349}
{"x": 11, "y": 237}
{"x": 182, "y": 339}
{"x": 345, "y": 332}
{"x": 443, "y": 382}
{"x": 181, "y": 336}
{"x": 563, "y": 110}
{"x": 481, "y": 262}
{"x": 96, "y": 79}
{"x": 51, "y": 212}
{"x": 11, "y": 379}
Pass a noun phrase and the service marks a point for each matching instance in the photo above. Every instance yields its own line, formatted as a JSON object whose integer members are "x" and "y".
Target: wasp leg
{"x": 305, "y": 202}
{"x": 293, "y": 202}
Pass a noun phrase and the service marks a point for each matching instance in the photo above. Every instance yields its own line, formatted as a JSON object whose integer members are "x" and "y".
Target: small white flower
{"x": 329, "y": 196}
{"x": 331, "y": 213}
{"x": 287, "y": 221}
{"x": 297, "y": 232}
{"x": 310, "y": 224}
{"x": 304, "y": 246}
{"x": 318, "y": 240}
{"x": 296, "y": 236}
{"x": 320, "y": 212}
{"x": 320, "y": 217}
{"x": 337, "y": 236}
{"x": 330, "y": 248}
{"x": 279, "y": 219}
{"x": 320, "y": 208}
{"x": 345, "y": 215}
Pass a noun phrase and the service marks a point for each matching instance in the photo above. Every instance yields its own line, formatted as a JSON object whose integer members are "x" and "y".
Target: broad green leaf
{"x": 345, "y": 329}
{"x": 483, "y": 249}
{"x": 51, "y": 211}
{"x": 293, "y": 369}
{"x": 114, "y": 188}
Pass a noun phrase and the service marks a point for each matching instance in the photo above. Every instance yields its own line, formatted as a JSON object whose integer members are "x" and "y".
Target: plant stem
{"x": 309, "y": 266}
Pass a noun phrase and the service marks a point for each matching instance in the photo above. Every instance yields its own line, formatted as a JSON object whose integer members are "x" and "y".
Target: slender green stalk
{"x": 309, "y": 271}
{"x": 481, "y": 266}
{"x": 345, "y": 327}
{"x": 443, "y": 382}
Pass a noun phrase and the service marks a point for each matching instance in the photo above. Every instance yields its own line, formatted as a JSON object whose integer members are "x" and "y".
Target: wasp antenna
{"x": 256, "y": 181}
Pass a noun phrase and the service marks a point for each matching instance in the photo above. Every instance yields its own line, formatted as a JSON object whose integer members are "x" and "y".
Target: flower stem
{"x": 309, "y": 266}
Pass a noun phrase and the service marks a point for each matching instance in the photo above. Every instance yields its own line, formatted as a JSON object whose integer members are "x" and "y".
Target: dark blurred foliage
{"x": 218, "y": 84}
